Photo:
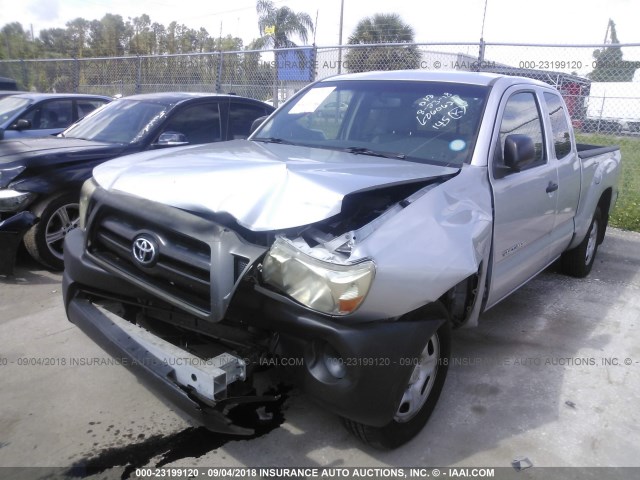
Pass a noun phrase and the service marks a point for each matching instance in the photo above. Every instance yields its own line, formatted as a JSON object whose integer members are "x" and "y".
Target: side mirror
{"x": 22, "y": 124}
{"x": 1, "y": 133}
{"x": 519, "y": 151}
{"x": 171, "y": 139}
{"x": 256, "y": 123}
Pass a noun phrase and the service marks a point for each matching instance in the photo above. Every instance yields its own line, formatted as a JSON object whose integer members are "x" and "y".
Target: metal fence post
{"x": 76, "y": 75}
{"x": 25, "y": 77}
{"x": 480, "y": 55}
{"x": 139, "y": 75}
{"x": 219, "y": 76}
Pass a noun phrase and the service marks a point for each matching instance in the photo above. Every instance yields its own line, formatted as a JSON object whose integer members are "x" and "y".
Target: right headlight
{"x": 326, "y": 287}
{"x": 88, "y": 188}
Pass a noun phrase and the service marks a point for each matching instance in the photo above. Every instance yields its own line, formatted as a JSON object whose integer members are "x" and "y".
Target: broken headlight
{"x": 322, "y": 286}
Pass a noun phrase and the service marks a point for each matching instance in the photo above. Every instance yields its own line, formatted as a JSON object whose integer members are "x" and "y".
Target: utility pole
{"x": 340, "y": 37}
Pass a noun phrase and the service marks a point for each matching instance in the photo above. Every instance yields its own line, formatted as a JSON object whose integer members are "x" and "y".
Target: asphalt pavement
{"x": 552, "y": 374}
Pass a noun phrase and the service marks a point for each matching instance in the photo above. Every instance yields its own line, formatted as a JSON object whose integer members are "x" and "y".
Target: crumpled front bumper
{"x": 11, "y": 232}
{"x": 160, "y": 367}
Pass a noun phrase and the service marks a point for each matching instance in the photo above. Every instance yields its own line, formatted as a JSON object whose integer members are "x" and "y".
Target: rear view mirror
{"x": 172, "y": 139}
{"x": 256, "y": 123}
{"x": 22, "y": 124}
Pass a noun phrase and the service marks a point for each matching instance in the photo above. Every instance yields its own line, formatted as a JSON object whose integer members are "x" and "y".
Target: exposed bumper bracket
{"x": 209, "y": 378}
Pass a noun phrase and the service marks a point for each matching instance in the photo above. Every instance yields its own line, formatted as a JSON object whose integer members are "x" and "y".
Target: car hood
{"x": 33, "y": 151}
{"x": 263, "y": 186}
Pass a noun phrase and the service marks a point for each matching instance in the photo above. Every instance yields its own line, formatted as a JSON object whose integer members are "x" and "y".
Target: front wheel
{"x": 58, "y": 216}
{"x": 578, "y": 261}
{"x": 419, "y": 399}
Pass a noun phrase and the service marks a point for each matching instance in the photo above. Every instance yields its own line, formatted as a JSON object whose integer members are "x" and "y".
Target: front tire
{"x": 578, "y": 261}
{"x": 58, "y": 216}
{"x": 419, "y": 399}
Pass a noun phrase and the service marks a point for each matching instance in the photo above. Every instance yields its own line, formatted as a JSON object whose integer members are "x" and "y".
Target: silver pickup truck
{"x": 358, "y": 225}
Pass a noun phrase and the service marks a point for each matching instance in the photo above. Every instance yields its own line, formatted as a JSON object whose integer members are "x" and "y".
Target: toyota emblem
{"x": 145, "y": 251}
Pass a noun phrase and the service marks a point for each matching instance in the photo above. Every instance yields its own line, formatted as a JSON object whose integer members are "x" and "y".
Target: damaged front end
{"x": 428, "y": 237}
{"x": 218, "y": 304}
{"x": 317, "y": 266}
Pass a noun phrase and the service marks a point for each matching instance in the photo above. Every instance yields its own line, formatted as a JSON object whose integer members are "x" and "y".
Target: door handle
{"x": 552, "y": 187}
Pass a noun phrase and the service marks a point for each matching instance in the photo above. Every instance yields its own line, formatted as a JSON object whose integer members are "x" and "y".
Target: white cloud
{"x": 44, "y": 10}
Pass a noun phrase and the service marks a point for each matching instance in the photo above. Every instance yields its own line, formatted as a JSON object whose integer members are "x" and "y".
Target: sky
{"x": 538, "y": 21}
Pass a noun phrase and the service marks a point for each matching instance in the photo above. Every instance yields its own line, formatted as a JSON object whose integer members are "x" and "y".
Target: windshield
{"x": 121, "y": 121}
{"x": 9, "y": 106}
{"x": 426, "y": 122}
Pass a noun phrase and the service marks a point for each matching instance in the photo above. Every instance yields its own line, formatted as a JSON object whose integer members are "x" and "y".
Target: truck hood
{"x": 263, "y": 186}
{"x": 31, "y": 152}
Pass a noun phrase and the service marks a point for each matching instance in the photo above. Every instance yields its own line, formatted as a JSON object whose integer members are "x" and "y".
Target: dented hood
{"x": 263, "y": 186}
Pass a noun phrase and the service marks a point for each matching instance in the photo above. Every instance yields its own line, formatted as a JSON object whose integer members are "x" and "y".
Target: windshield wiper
{"x": 274, "y": 140}
{"x": 374, "y": 153}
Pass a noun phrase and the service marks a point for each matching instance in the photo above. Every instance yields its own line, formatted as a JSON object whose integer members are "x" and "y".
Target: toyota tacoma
{"x": 343, "y": 241}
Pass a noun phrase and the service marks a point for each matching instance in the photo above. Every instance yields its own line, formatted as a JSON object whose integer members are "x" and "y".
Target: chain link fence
{"x": 600, "y": 83}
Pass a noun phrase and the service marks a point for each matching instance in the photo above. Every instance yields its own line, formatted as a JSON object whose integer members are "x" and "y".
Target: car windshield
{"x": 121, "y": 121}
{"x": 426, "y": 122}
{"x": 9, "y": 106}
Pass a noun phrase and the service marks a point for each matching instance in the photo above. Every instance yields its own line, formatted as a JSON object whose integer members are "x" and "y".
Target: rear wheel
{"x": 58, "y": 216}
{"x": 578, "y": 261}
{"x": 419, "y": 399}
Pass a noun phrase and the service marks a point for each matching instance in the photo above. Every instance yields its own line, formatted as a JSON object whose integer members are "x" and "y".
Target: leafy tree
{"x": 55, "y": 42}
{"x": 142, "y": 38}
{"x": 609, "y": 65}
{"x": 15, "y": 42}
{"x": 78, "y": 37}
{"x": 108, "y": 36}
{"x": 159, "y": 38}
{"x": 382, "y": 28}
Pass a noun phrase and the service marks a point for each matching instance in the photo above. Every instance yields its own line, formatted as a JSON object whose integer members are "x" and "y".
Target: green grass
{"x": 626, "y": 214}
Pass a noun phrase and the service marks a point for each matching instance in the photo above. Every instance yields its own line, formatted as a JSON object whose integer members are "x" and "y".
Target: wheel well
{"x": 460, "y": 299}
{"x": 604, "y": 204}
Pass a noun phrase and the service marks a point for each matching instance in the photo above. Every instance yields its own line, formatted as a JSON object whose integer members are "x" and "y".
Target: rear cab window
{"x": 560, "y": 130}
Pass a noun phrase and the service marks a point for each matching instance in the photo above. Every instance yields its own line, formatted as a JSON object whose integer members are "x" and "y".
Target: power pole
{"x": 340, "y": 37}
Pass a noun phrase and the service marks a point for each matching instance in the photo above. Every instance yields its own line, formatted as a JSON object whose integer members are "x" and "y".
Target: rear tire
{"x": 578, "y": 261}
{"x": 58, "y": 216}
{"x": 419, "y": 400}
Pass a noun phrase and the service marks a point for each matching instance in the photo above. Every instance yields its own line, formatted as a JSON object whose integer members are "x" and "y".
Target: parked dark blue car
{"x": 44, "y": 175}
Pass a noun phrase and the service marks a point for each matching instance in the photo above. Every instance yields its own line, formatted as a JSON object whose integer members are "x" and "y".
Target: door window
{"x": 241, "y": 117}
{"x": 52, "y": 114}
{"x": 522, "y": 116}
{"x": 200, "y": 123}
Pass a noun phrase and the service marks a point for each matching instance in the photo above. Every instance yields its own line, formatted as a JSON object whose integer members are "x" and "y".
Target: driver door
{"x": 524, "y": 201}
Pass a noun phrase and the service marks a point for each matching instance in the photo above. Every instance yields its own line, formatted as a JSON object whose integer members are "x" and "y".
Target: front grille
{"x": 182, "y": 270}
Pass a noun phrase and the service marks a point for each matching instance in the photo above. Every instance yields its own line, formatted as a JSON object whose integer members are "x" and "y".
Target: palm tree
{"x": 281, "y": 24}
{"x": 382, "y": 28}
{"x": 284, "y": 22}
